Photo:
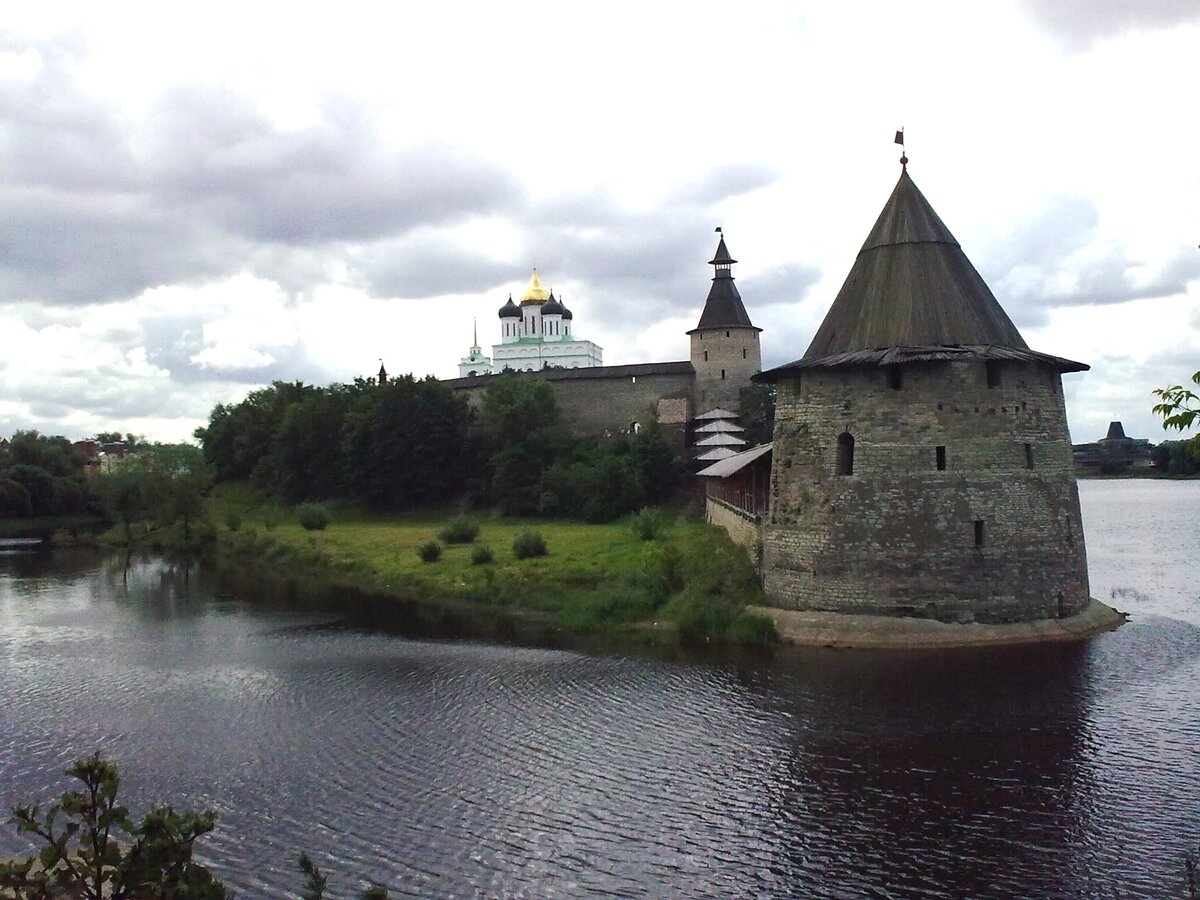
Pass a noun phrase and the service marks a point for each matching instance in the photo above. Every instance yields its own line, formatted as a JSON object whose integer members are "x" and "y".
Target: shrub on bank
{"x": 430, "y": 552}
{"x": 529, "y": 544}
{"x": 460, "y": 530}
{"x": 649, "y": 523}
{"x": 233, "y": 521}
{"x": 481, "y": 555}
{"x": 312, "y": 516}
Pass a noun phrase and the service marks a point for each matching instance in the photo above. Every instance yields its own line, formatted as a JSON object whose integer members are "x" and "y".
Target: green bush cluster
{"x": 649, "y": 524}
{"x": 312, "y": 516}
{"x": 430, "y": 552}
{"x": 460, "y": 530}
{"x": 529, "y": 544}
{"x": 481, "y": 555}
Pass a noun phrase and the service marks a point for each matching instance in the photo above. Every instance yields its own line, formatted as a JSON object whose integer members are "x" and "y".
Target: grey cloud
{"x": 428, "y": 265}
{"x": 1080, "y": 23}
{"x": 331, "y": 182}
{"x": 1055, "y": 258}
{"x": 787, "y": 283}
{"x": 722, "y": 182}
{"x": 99, "y": 209}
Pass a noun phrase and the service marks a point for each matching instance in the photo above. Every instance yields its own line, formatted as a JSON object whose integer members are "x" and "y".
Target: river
{"x": 466, "y": 769}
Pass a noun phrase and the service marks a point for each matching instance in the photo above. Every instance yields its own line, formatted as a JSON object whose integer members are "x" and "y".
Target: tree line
{"x": 409, "y": 441}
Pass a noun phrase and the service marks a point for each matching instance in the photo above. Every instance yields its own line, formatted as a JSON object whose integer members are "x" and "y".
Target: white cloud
{"x": 197, "y": 205}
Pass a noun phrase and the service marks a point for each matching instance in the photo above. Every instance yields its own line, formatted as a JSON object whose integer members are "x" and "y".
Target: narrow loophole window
{"x": 706, "y": 356}
{"x": 722, "y": 374}
{"x": 1029, "y": 456}
{"x": 993, "y": 373}
{"x": 940, "y": 455}
{"x": 979, "y": 532}
{"x": 743, "y": 353}
{"x": 845, "y": 453}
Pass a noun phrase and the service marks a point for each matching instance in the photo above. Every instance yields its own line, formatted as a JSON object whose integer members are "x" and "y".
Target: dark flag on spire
{"x": 900, "y": 137}
{"x": 718, "y": 230}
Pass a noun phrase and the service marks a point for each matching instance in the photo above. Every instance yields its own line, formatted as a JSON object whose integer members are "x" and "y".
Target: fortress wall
{"x": 897, "y": 536}
{"x": 609, "y": 398}
{"x": 742, "y": 529}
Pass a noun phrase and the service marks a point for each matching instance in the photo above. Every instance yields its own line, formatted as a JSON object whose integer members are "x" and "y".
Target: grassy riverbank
{"x": 690, "y": 581}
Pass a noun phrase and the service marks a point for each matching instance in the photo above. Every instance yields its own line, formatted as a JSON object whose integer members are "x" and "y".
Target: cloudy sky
{"x": 199, "y": 200}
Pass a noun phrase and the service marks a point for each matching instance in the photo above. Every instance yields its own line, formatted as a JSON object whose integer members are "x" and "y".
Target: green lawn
{"x": 595, "y": 577}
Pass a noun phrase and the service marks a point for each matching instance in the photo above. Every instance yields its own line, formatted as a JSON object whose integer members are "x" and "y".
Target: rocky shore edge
{"x": 840, "y": 630}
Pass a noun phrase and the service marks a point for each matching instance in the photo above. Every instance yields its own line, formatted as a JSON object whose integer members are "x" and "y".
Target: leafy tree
{"x": 54, "y": 454}
{"x": 162, "y": 484}
{"x": 239, "y": 437}
{"x": 14, "y": 499}
{"x": 38, "y": 482}
{"x": 1176, "y": 458}
{"x": 1180, "y": 408}
{"x": 406, "y": 442}
{"x": 522, "y": 438}
{"x": 85, "y": 857}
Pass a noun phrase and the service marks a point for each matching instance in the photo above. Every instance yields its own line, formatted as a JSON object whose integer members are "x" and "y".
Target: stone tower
{"x": 725, "y": 346}
{"x": 922, "y": 465}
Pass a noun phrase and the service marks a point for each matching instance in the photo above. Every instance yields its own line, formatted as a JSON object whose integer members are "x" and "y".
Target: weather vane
{"x": 900, "y": 141}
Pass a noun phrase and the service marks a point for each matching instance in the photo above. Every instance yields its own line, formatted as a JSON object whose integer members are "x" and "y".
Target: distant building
{"x": 1114, "y": 452}
{"x": 538, "y": 341}
{"x": 537, "y": 334}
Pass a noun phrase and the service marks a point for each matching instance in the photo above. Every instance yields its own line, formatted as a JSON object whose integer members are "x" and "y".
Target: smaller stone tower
{"x": 725, "y": 345}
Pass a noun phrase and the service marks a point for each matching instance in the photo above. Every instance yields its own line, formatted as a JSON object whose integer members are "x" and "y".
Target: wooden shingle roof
{"x": 911, "y": 295}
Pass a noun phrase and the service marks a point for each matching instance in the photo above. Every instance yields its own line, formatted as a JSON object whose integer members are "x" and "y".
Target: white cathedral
{"x": 533, "y": 335}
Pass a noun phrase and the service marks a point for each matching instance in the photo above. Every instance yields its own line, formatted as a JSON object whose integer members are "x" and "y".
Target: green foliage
{"x": 649, "y": 523}
{"x": 603, "y": 480}
{"x": 430, "y": 552}
{"x": 84, "y": 857}
{"x": 1179, "y": 407}
{"x": 405, "y": 443}
{"x": 239, "y": 437}
{"x": 312, "y": 516}
{"x": 1176, "y": 457}
{"x": 161, "y": 485}
{"x": 521, "y": 436}
{"x": 233, "y": 520}
{"x": 42, "y": 476}
{"x": 14, "y": 499}
{"x": 460, "y": 530}
{"x": 315, "y": 883}
{"x": 481, "y": 555}
{"x": 529, "y": 544}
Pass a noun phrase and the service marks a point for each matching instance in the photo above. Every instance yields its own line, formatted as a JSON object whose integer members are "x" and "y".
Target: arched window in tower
{"x": 845, "y": 453}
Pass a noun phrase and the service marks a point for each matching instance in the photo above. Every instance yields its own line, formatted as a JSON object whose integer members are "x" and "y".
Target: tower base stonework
{"x": 959, "y": 504}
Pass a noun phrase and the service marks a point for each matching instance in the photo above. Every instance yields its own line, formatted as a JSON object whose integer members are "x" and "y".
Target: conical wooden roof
{"x": 912, "y": 285}
{"x": 723, "y": 308}
{"x": 912, "y": 295}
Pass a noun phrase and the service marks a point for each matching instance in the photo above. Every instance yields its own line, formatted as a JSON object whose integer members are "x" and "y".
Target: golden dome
{"x": 535, "y": 293}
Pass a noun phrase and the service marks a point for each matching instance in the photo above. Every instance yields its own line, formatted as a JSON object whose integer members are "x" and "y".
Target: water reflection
{"x": 471, "y": 769}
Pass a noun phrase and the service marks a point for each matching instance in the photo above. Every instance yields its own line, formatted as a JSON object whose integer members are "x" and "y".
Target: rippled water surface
{"x": 465, "y": 769}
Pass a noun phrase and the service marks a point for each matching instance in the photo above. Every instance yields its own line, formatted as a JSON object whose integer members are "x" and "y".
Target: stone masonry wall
{"x": 591, "y": 406}
{"x": 898, "y": 536}
{"x": 735, "y": 353}
{"x": 742, "y": 529}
